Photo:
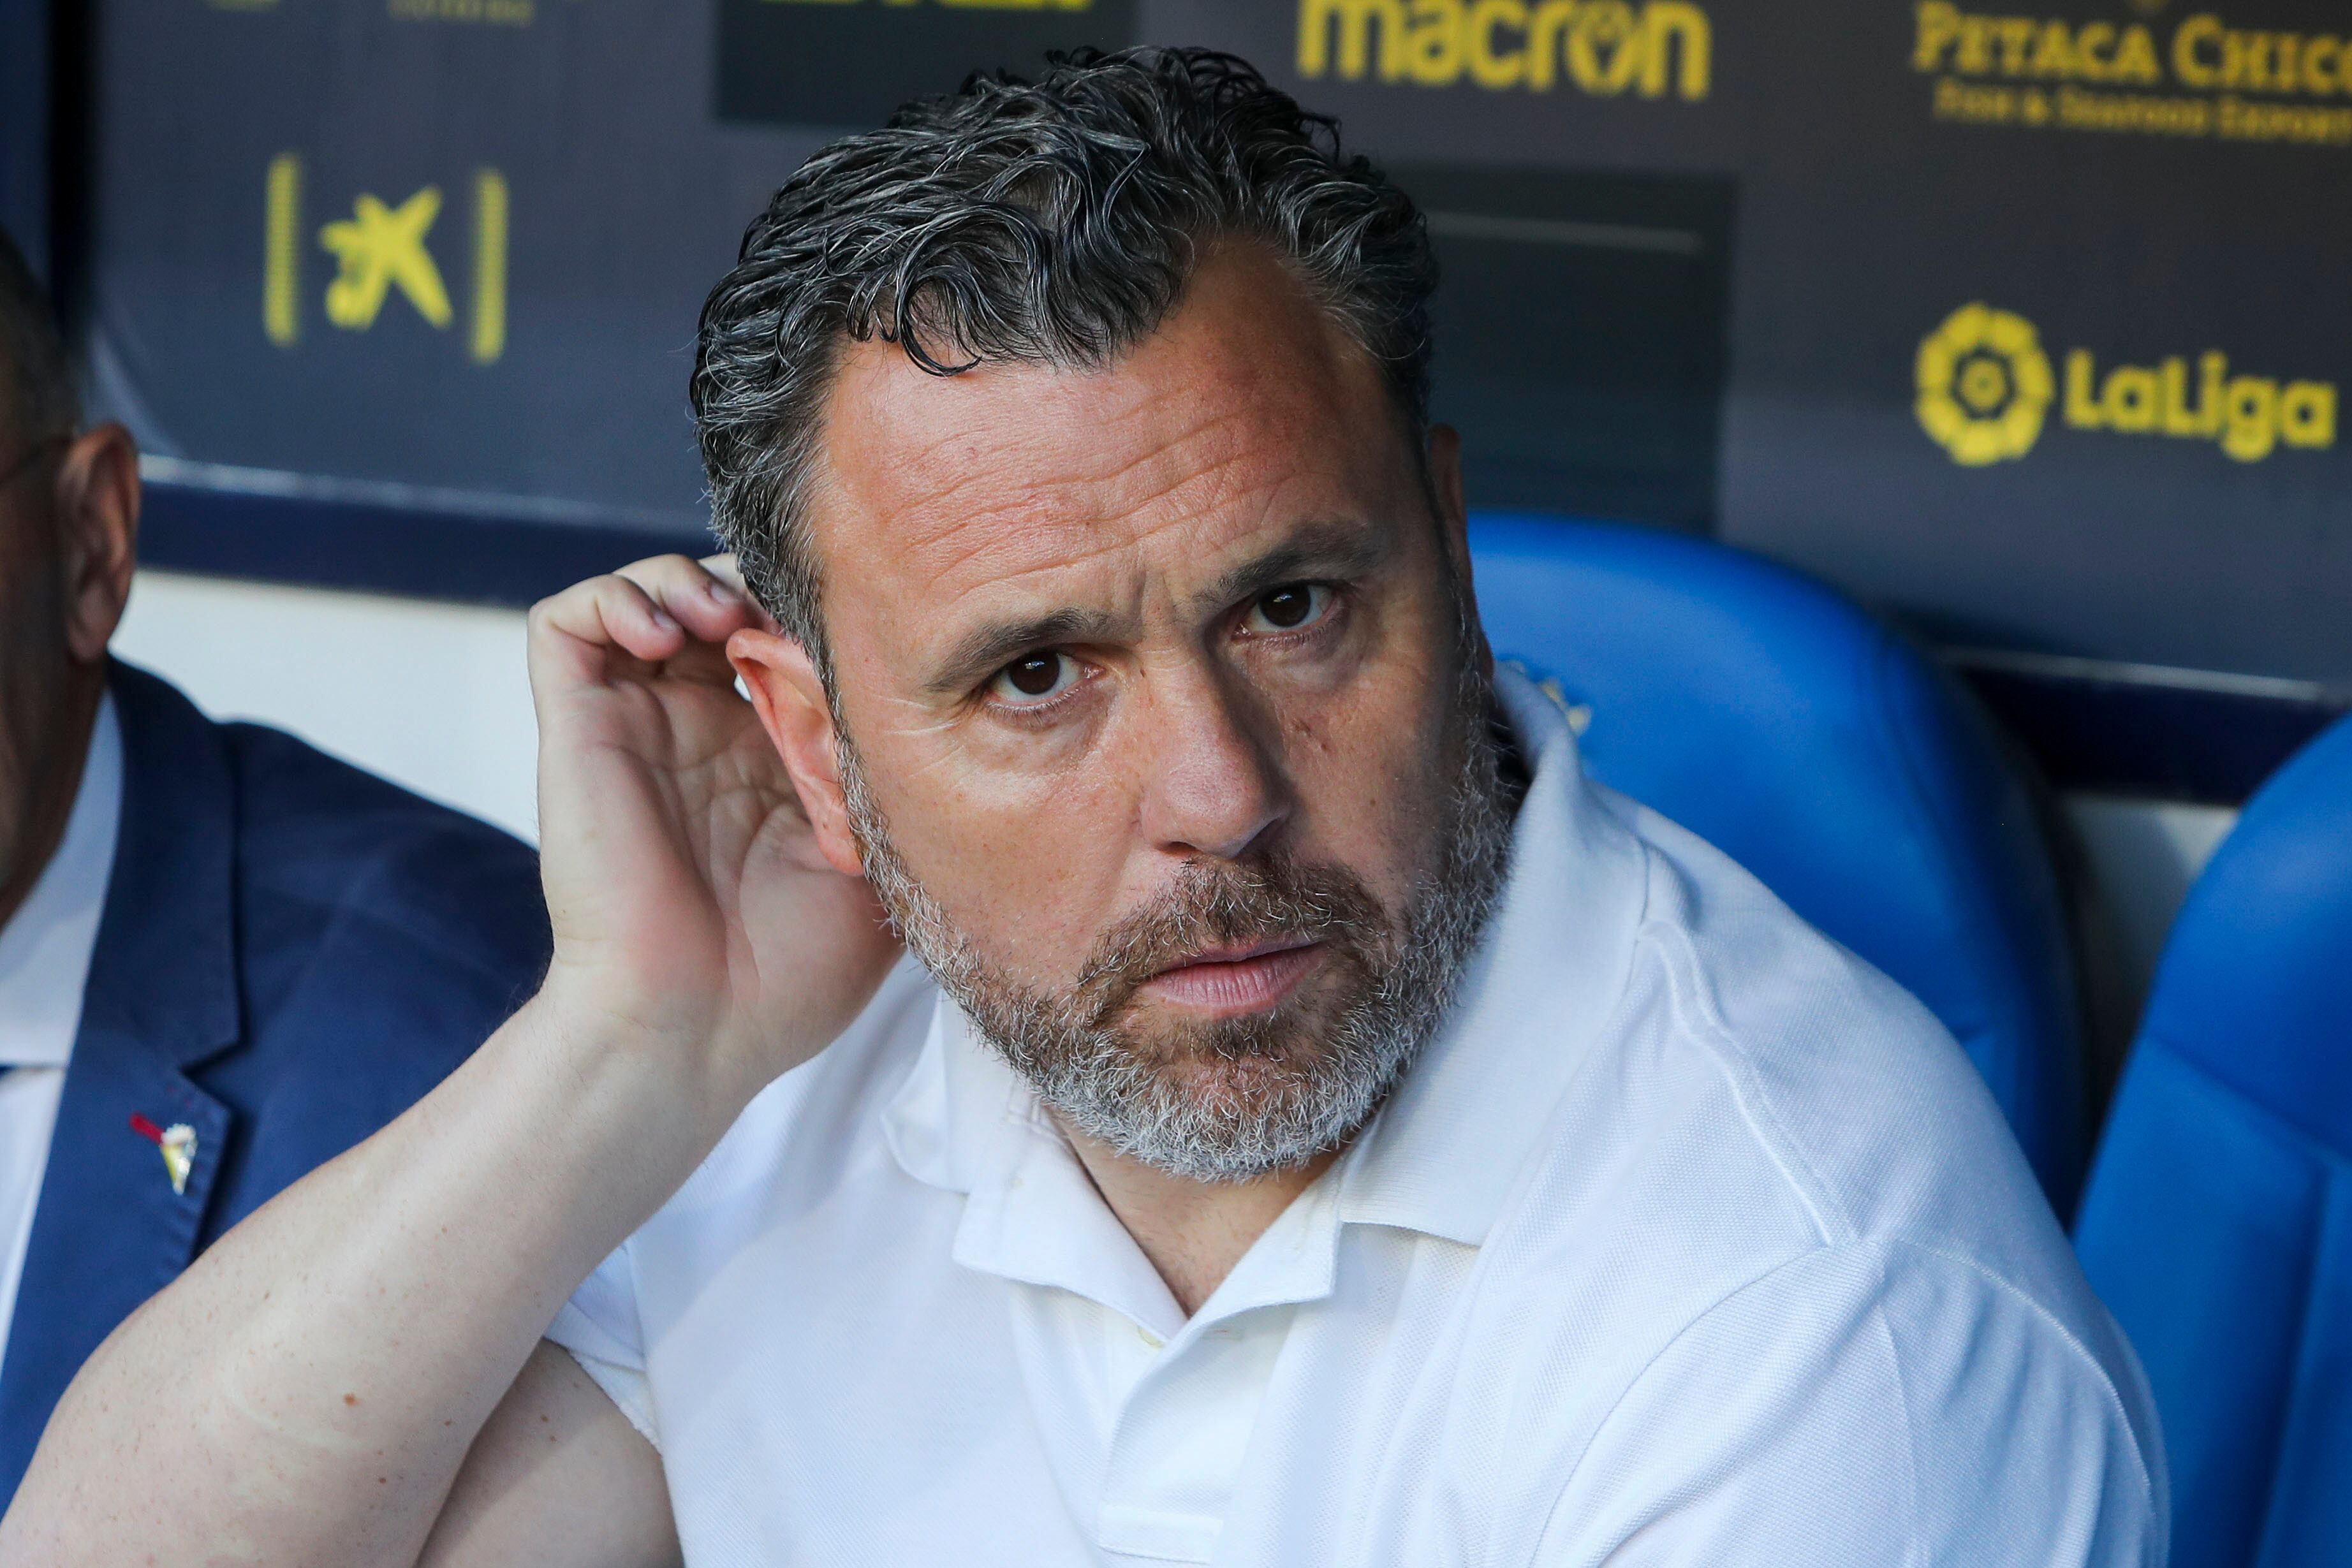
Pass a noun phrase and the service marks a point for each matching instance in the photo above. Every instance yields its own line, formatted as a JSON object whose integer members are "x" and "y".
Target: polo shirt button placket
{"x": 1177, "y": 1448}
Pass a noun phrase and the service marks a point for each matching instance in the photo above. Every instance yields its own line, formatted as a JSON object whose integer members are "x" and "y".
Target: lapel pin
{"x": 178, "y": 1143}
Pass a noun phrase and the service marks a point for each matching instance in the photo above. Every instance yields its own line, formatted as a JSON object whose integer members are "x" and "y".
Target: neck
{"x": 1192, "y": 1231}
{"x": 51, "y": 777}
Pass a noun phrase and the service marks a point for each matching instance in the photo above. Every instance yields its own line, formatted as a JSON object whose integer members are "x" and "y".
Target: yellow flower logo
{"x": 1984, "y": 385}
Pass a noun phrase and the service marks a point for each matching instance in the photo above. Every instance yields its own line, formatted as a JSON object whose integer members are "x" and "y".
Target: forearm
{"x": 306, "y": 1392}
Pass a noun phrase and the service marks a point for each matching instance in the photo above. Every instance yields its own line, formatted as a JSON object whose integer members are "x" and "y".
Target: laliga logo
{"x": 1984, "y": 386}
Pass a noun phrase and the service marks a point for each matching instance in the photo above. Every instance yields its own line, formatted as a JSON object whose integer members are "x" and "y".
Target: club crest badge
{"x": 178, "y": 1144}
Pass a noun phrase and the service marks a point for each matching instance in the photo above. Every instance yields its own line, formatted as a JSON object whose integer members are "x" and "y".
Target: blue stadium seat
{"x": 1777, "y": 720}
{"x": 2217, "y": 1221}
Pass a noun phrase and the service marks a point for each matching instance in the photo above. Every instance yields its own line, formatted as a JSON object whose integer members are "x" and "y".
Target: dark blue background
{"x": 1756, "y": 386}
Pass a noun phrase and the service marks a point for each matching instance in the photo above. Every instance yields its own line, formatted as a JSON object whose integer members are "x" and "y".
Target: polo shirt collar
{"x": 965, "y": 1122}
{"x": 1441, "y": 1155}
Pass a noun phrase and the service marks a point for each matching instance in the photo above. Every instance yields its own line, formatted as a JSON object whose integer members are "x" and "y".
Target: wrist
{"x": 664, "y": 1076}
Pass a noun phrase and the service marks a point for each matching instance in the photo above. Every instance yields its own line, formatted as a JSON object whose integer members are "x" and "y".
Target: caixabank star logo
{"x": 1984, "y": 385}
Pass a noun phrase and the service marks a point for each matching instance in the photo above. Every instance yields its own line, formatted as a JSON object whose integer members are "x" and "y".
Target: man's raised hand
{"x": 693, "y": 912}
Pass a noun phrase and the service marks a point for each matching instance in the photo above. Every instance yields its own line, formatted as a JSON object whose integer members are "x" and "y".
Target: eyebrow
{"x": 993, "y": 645}
{"x": 1315, "y": 550}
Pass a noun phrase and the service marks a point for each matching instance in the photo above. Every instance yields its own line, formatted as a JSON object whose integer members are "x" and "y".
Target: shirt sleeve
{"x": 1868, "y": 1405}
{"x": 598, "y": 1327}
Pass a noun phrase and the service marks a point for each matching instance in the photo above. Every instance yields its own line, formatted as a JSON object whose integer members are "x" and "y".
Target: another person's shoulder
{"x": 353, "y": 897}
{"x": 379, "y": 865}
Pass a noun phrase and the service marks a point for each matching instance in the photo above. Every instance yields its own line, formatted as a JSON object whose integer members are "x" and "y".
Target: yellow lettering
{"x": 1604, "y": 46}
{"x": 2089, "y": 60}
{"x": 1434, "y": 46}
{"x": 1547, "y": 33}
{"x": 2308, "y": 414}
{"x": 1680, "y": 28}
{"x": 1976, "y": 45}
{"x": 2212, "y": 371}
{"x": 2175, "y": 416}
{"x": 1939, "y": 28}
{"x": 2128, "y": 398}
{"x": 1353, "y": 21}
{"x": 2191, "y": 66}
{"x": 498, "y": 13}
{"x": 2282, "y": 122}
{"x": 1974, "y": 103}
{"x": 2136, "y": 57}
{"x": 2321, "y": 59}
{"x": 1661, "y": 47}
{"x": 492, "y": 204}
{"x": 2250, "y": 418}
{"x": 2016, "y": 35}
{"x": 2053, "y": 51}
{"x": 282, "y": 273}
{"x": 2245, "y": 60}
{"x": 2081, "y": 409}
{"x": 1488, "y": 68}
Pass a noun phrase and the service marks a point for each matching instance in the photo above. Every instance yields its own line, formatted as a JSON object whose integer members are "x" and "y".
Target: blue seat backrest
{"x": 1782, "y": 723}
{"x": 2218, "y": 1222}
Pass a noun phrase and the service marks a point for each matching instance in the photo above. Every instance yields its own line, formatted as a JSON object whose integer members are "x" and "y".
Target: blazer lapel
{"x": 110, "y": 1231}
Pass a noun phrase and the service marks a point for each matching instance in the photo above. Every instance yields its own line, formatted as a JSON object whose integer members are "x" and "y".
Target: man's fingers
{"x": 579, "y": 625}
{"x": 710, "y": 605}
{"x": 655, "y": 610}
{"x": 725, "y": 568}
{"x": 667, "y": 611}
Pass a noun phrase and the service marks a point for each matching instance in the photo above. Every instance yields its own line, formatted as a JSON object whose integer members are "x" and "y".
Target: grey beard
{"x": 1285, "y": 1099}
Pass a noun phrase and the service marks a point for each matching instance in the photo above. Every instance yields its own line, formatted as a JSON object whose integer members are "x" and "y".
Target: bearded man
{"x": 1307, "y": 1123}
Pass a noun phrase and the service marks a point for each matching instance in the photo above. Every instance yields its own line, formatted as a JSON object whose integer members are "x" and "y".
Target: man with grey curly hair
{"x": 1092, "y": 1023}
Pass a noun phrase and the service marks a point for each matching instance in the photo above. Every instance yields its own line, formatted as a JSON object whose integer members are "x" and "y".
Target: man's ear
{"x": 790, "y": 700}
{"x": 98, "y": 535}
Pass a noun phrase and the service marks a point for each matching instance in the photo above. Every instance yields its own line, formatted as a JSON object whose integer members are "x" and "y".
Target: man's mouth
{"x": 1236, "y": 980}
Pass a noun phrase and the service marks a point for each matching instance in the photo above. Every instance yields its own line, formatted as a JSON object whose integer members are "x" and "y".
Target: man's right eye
{"x": 1033, "y": 679}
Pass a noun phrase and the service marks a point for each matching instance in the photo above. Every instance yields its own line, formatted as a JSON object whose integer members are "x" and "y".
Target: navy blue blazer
{"x": 292, "y": 952}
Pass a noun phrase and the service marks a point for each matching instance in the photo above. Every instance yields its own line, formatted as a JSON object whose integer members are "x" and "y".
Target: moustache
{"x": 1223, "y": 904}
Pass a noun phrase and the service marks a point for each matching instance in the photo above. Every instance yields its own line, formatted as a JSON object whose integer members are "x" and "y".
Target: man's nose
{"x": 1214, "y": 784}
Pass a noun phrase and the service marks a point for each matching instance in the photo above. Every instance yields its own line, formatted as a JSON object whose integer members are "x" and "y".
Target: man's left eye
{"x": 1290, "y": 607}
{"x": 1034, "y": 679}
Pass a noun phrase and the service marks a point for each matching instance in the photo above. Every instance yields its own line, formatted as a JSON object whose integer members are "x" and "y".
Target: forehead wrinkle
{"x": 1132, "y": 432}
{"x": 1102, "y": 475}
{"x": 1045, "y": 560}
{"x": 1002, "y": 597}
{"x": 1108, "y": 580}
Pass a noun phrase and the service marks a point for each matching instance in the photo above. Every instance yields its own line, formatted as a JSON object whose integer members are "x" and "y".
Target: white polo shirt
{"x": 1691, "y": 1240}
